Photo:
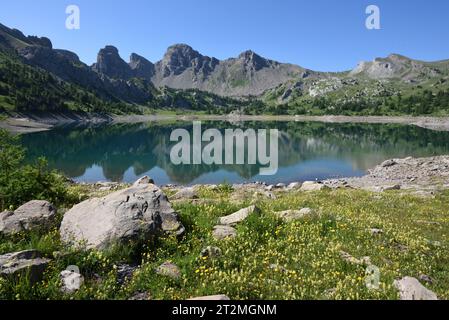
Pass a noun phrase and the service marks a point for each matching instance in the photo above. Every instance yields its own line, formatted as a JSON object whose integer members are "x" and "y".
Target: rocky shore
{"x": 422, "y": 176}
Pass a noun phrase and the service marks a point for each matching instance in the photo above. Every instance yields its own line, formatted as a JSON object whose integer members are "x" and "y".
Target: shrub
{"x": 20, "y": 183}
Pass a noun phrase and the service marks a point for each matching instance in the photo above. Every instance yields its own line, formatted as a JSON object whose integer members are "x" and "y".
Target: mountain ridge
{"x": 249, "y": 76}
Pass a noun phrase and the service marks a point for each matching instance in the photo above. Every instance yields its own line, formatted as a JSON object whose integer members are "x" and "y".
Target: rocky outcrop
{"x": 141, "y": 67}
{"x": 31, "y": 216}
{"x": 111, "y": 64}
{"x": 24, "y": 263}
{"x": 67, "y": 66}
{"x": 415, "y": 174}
{"x": 10, "y": 37}
{"x": 181, "y": 57}
{"x": 395, "y": 66}
{"x": 249, "y": 74}
{"x": 136, "y": 213}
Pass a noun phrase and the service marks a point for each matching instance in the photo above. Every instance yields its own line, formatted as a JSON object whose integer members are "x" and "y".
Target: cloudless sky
{"x": 324, "y": 35}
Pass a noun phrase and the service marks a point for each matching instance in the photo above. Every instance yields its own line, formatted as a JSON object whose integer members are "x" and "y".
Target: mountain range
{"x": 186, "y": 79}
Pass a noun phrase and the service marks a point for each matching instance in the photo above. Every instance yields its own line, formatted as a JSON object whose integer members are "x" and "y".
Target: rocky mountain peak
{"x": 395, "y": 66}
{"x": 111, "y": 64}
{"x": 180, "y": 57}
{"x": 142, "y": 67}
{"x": 253, "y": 60}
{"x": 10, "y": 37}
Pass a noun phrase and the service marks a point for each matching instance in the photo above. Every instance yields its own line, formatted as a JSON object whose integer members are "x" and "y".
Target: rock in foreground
{"x": 33, "y": 215}
{"x": 29, "y": 262}
{"x": 136, "y": 213}
{"x": 411, "y": 289}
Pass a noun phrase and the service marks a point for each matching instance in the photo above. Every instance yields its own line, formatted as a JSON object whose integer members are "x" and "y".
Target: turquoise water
{"x": 307, "y": 151}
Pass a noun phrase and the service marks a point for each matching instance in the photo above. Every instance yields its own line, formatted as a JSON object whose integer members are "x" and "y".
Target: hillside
{"x": 391, "y": 85}
{"x": 36, "y": 77}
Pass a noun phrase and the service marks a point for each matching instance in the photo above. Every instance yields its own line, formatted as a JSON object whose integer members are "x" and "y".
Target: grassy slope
{"x": 306, "y": 253}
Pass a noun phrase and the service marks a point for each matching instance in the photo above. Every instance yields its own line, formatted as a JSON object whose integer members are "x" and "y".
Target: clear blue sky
{"x": 324, "y": 35}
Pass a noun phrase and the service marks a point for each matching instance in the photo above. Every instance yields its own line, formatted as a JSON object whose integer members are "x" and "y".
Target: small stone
{"x": 71, "y": 281}
{"x": 211, "y": 252}
{"x": 425, "y": 278}
{"x": 329, "y": 293}
{"x": 365, "y": 261}
{"x": 312, "y": 186}
{"x": 239, "y": 216}
{"x": 411, "y": 289}
{"x": 185, "y": 194}
{"x": 269, "y": 195}
{"x": 376, "y": 232}
{"x": 277, "y": 268}
{"x": 220, "y": 297}
{"x": 143, "y": 180}
{"x": 264, "y": 194}
{"x": 388, "y": 163}
{"x": 294, "y": 185}
{"x": 169, "y": 269}
{"x": 281, "y": 186}
{"x": 141, "y": 296}
{"x": 291, "y": 215}
{"x": 224, "y": 232}
{"x": 125, "y": 273}
{"x": 391, "y": 188}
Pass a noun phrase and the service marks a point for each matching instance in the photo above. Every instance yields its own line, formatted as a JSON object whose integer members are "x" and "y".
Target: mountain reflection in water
{"x": 307, "y": 151}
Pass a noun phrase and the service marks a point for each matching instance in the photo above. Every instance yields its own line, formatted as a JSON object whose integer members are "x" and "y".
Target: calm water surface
{"x": 307, "y": 151}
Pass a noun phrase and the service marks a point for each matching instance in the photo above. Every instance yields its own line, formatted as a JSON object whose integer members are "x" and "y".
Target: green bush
{"x": 20, "y": 183}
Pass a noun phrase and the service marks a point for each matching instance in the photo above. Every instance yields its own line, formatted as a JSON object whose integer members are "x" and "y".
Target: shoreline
{"x": 23, "y": 124}
{"x": 419, "y": 176}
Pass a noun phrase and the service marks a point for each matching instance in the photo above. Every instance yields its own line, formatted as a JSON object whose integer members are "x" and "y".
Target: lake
{"x": 307, "y": 151}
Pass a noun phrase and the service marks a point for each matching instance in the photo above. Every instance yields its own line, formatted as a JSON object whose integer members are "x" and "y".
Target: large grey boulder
{"x": 411, "y": 289}
{"x": 33, "y": 215}
{"x": 136, "y": 213}
{"x": 239, "y": 216}
{"x": 29, "y": 263}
